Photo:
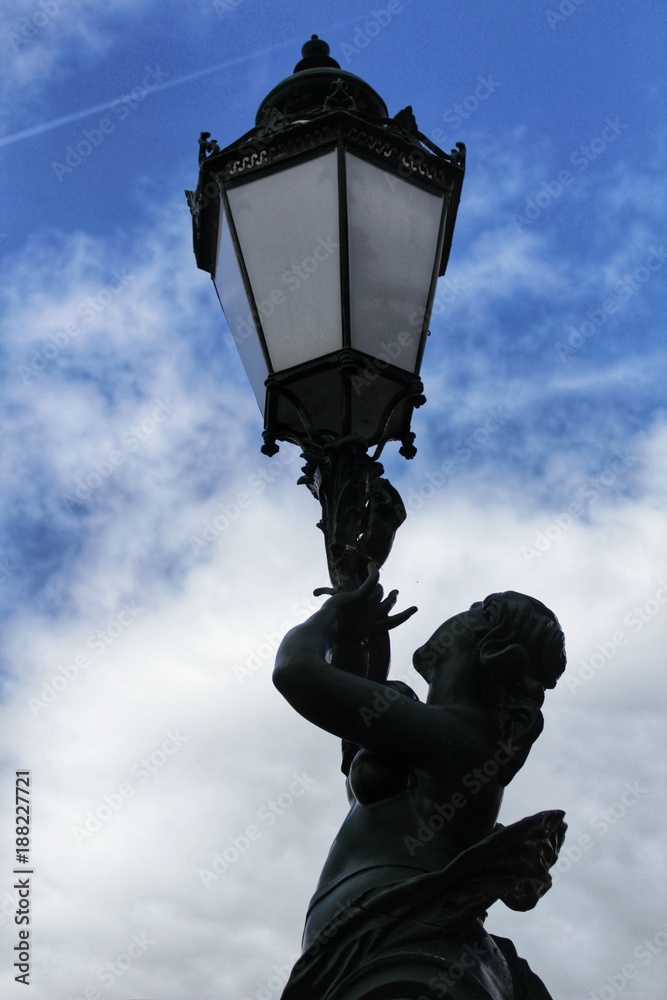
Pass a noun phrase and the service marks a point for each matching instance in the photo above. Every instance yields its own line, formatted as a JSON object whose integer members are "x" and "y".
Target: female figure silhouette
{"x": 399, "y": 908}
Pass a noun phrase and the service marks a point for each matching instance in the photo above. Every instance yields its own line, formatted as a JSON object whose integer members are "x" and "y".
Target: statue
{"x": 399, "y": 908}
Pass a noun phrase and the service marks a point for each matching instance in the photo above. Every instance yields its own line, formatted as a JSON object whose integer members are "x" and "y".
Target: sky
{"x": 151, "y": 557}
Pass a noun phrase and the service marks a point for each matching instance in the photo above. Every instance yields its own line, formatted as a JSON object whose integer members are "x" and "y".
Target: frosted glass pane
{"x": 393, "y": 227}
{"x": 231, "y": 292}
{"x": 287, "y": 225}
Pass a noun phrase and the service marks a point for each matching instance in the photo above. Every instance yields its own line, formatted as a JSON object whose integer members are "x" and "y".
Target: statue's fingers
{"x": 390, "y": 600}
{"x": 401, "y": 617}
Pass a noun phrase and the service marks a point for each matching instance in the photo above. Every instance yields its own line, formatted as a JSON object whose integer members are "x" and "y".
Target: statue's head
{"x": 501, "y": 654}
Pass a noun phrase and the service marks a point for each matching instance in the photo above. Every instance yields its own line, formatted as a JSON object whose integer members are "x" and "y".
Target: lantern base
{"x": 338, "y": 396}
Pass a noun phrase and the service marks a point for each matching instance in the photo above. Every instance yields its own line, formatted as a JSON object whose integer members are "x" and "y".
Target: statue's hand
{"x": 362, "y": 613}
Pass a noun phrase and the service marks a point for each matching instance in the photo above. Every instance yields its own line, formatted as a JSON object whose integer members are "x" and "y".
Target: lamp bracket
{"x": 361, "y": 510}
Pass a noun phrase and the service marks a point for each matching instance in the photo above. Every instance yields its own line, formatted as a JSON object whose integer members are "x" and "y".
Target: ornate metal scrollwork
{"x": 207, "y": 147}
{"x": 361, "y": 512}
{"x": 339, "y": 99}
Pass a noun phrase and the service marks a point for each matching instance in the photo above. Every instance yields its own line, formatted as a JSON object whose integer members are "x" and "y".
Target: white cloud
{"x": 48, "y": 39}
{"x": 173, "y": 671}
{"x": 196, "y": 659}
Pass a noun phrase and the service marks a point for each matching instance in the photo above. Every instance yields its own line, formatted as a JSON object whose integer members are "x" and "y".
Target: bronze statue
{"x": 399, "y": 908}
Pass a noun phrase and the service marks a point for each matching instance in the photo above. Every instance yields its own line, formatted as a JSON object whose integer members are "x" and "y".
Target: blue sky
{"x": 130, "y": 575}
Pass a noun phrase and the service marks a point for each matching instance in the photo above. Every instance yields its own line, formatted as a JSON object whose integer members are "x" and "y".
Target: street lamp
{"x": 325, "y": 228}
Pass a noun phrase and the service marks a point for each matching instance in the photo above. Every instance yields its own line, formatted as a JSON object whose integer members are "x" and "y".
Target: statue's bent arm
{"x": 366, "y": 712}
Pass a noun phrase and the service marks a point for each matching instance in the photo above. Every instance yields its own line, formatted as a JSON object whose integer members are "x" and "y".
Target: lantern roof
{"x": 317, "y": 103}
{"x": 307, "y": 89}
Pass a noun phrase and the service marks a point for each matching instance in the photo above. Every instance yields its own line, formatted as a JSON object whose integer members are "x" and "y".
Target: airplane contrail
{"x": 27, "y": 133}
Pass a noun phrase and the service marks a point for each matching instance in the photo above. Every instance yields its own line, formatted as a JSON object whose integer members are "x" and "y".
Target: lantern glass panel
{"x": 287, "y": 224}
{"x": 232, "y": 294}
{"x": 394, "y": 228}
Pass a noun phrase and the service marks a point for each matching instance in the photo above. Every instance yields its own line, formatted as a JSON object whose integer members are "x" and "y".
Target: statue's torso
{"x": 401, "y": 823}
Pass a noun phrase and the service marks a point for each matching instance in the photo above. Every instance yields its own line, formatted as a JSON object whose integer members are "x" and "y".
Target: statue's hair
{"x": 522, "y": 643}
{"x": 516, "y": 630}
{"x": 521, "y": 651}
